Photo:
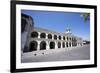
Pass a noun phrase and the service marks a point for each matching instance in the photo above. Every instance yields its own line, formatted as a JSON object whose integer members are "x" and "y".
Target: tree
{"x": 86, "y": 16}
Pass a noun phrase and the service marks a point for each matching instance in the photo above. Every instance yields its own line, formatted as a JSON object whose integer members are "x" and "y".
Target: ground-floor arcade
{"x": 38, "y": 45}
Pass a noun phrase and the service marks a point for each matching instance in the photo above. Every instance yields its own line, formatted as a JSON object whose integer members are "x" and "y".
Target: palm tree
{"x": 86, "y": 16}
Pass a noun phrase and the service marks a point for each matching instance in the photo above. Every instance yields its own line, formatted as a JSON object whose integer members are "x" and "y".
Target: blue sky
{"x": 59, "y": 21}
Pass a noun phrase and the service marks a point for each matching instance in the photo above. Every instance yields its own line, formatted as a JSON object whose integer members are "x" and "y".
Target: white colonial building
{"x": 42, "y": 41}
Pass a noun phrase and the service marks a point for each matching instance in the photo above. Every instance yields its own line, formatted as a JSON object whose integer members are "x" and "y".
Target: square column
{"x": 56, "y": 45}
{"x": 38, "y": 46}
{"x": 46, "y": 36}
{"x": 53, "y": 36}
{"x": 47, "y": 45}
{"x": 38, "y": 34}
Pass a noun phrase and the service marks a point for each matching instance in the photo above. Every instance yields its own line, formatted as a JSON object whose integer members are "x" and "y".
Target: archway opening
{"x": 59, "y": 37}
{"x": 43, "y": 45}
{"x": 52, "y": 45}
{"x": 49, "y": 36}
{"x": 66, "y": 44}
{"x": 55, "y": 37}
{"x": 63, "y": 45}
{"x": 72, "y": 43}
{"x": 33, "y": 46}
{"x": 59, "y": 45}
{"x": 69, "y": 44}
{"x": 43, "y": 35}
{"x": 67, "y": 38}
{"x": 34, "y": 34}
{"x": 70, "y": 39}
{"x": 63, "y": 37}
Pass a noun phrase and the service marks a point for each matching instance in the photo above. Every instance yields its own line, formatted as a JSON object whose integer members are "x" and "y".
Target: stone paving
{"x": 76, "y": 53}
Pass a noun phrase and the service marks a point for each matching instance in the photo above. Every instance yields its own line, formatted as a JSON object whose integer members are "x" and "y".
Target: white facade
{"x": 42, "y": 40}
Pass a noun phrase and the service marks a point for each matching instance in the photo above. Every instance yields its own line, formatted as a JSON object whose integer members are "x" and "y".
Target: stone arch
{"x": 55, "y": 37}
{"x": 49, "y": 36}
{"x": 66, "y": 44}
{"x": 70, "y": 39}
{"x": 67, "y": 38}
{"x": 34, "y": 34}
{"x": 43, "y": 45}
{"x": 63, "y": 37}
{"x": 33, "y": 46}
{"x": 70, "y": 44}
{"x": 59, "y": 44}
{"x": 63, "y": 44}
{"x": 59, "y": 37}
{"x": 42, "y": 35}
{"x": 52, "y": 45}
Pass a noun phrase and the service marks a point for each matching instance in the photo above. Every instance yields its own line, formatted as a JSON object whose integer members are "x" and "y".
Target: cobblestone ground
{"x": 77, "y": 53}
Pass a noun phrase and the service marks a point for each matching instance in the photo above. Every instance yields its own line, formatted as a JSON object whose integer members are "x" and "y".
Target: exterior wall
{"x": 68, "y": 39}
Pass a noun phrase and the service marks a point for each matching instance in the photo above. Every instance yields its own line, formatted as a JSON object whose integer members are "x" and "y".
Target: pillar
{"x": 68, "y": 44}
{"x": 38, "y": 34}
{"x": 56, "y": 46}
{"x": 47, "y": 45}
{"x": 38, "y": 46}
{"x": 46, "y": 35}
{"x": 53, "y": 36}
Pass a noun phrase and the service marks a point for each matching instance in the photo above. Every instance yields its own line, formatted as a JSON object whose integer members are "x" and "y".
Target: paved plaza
{"x": 76, "y": 53}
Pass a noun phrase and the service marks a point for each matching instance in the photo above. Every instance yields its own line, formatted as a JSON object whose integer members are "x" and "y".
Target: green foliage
{"x": 86, "y": 16}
